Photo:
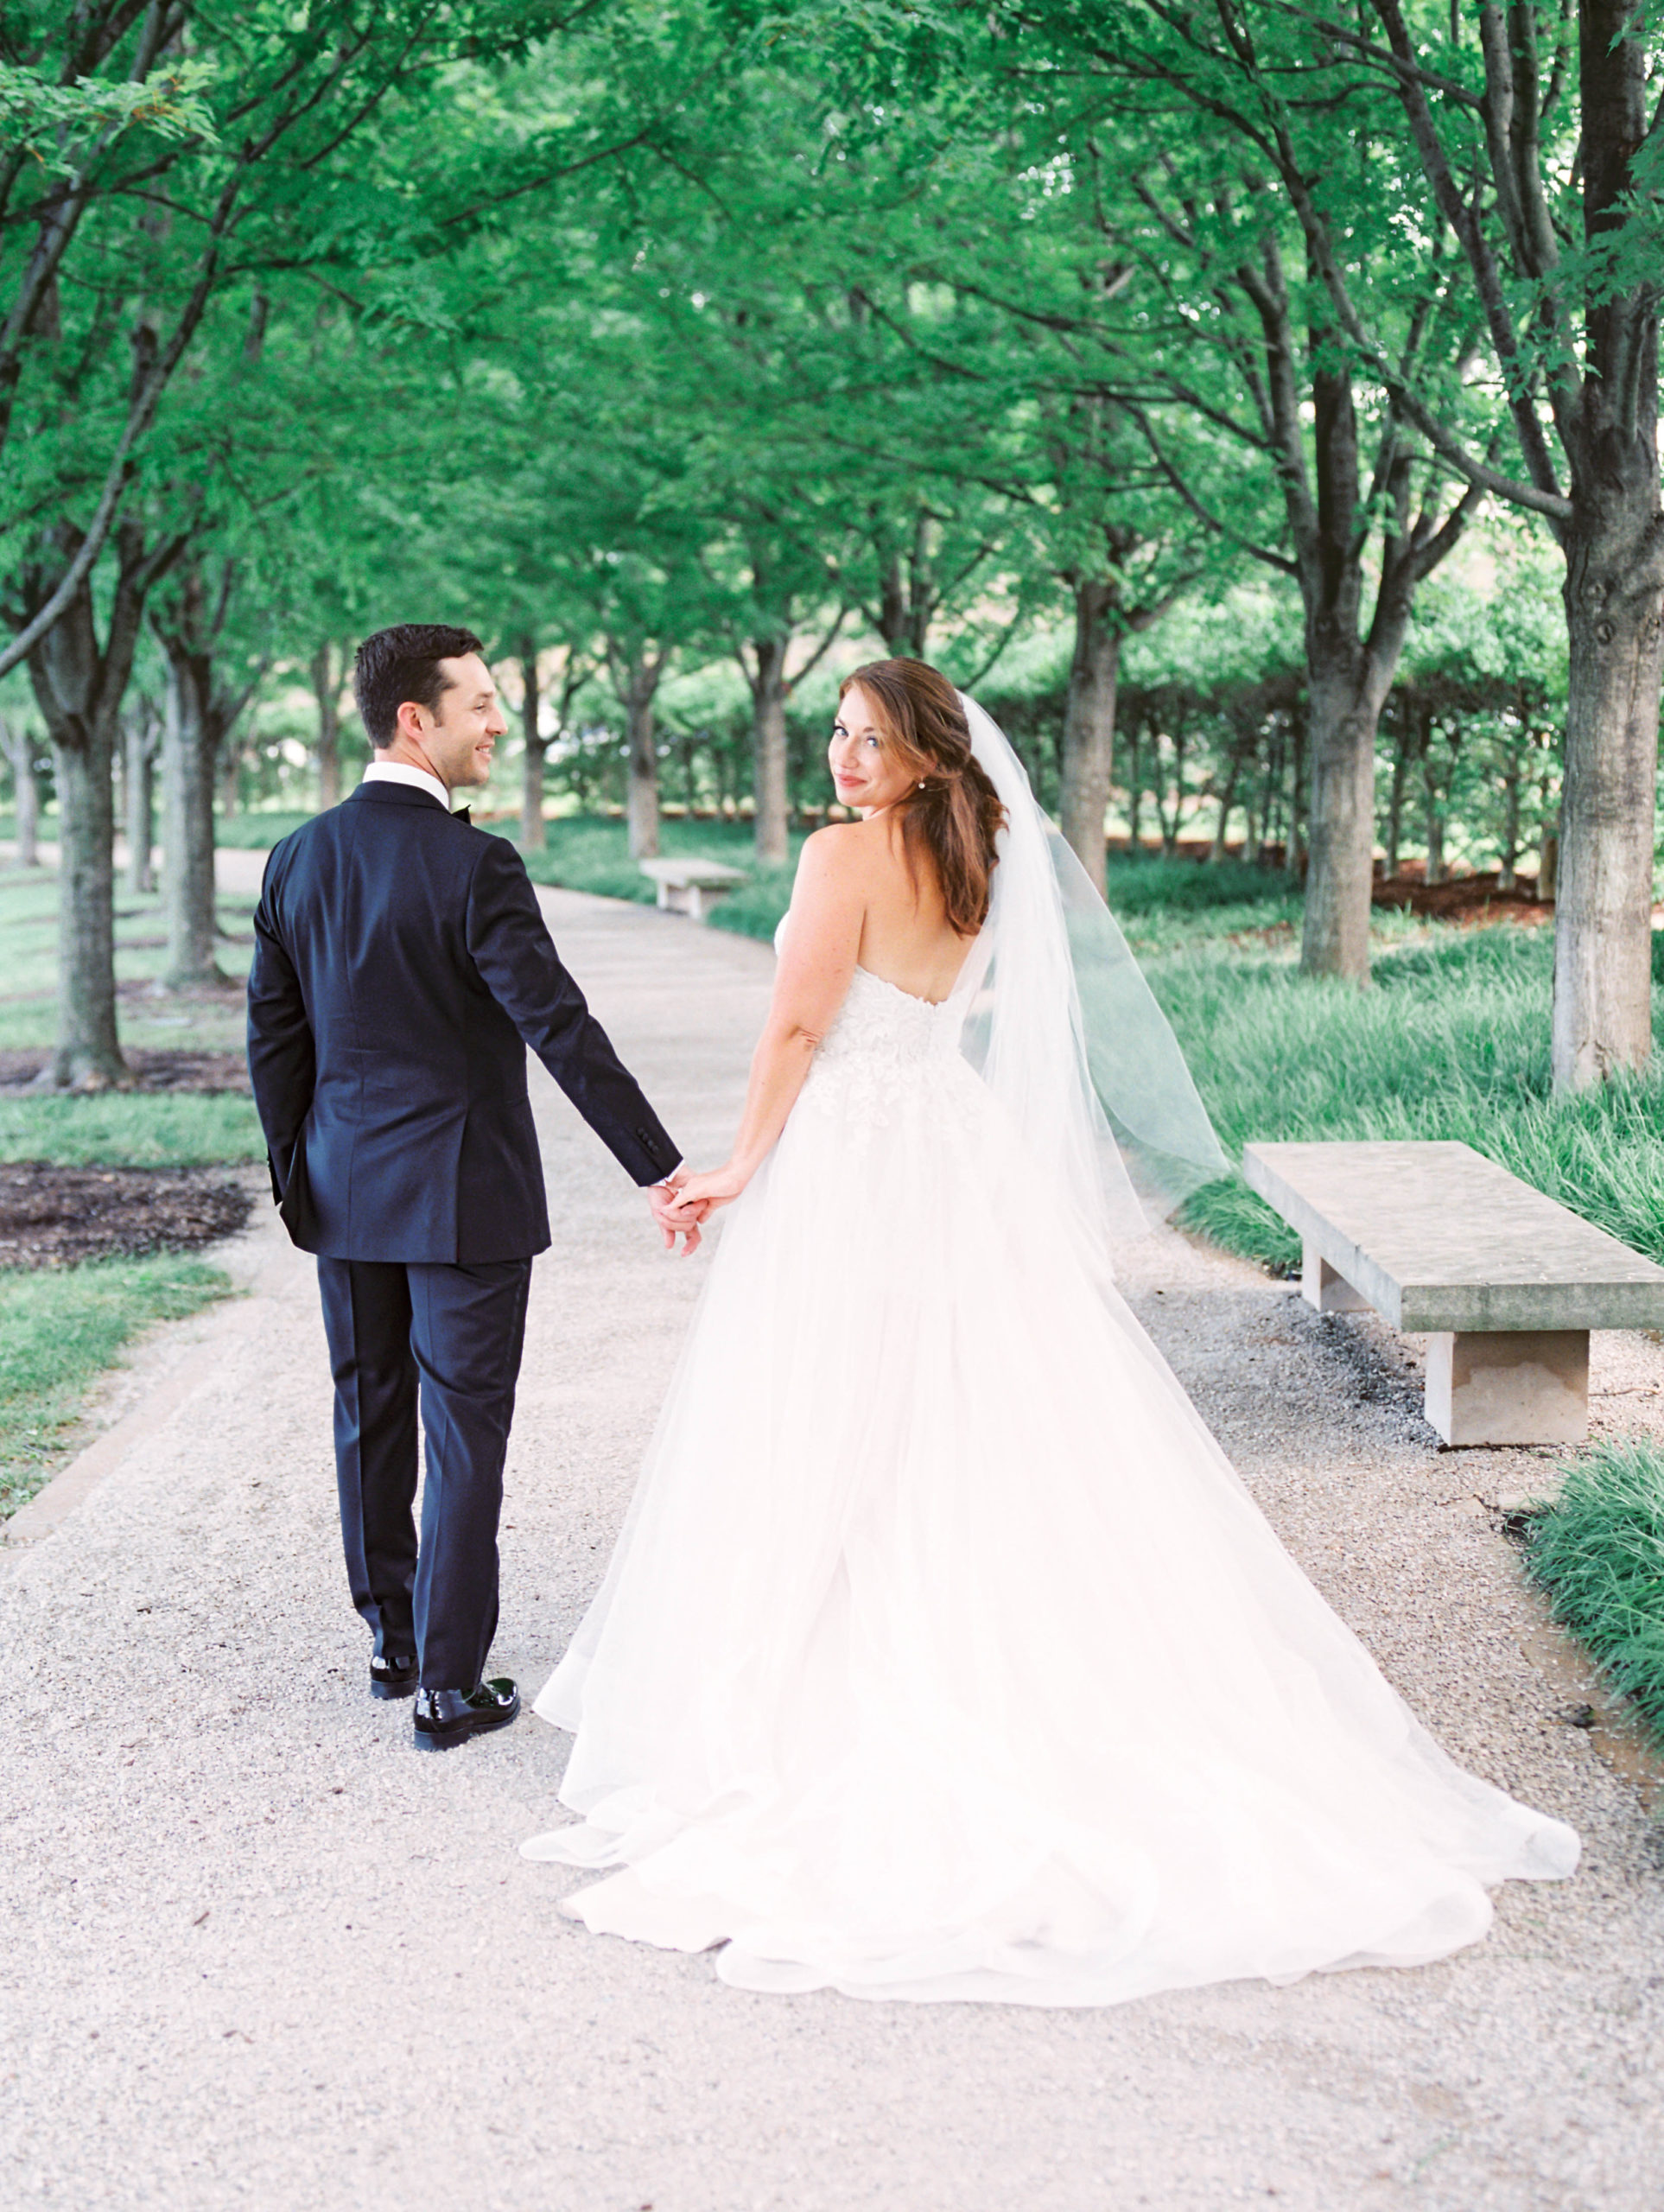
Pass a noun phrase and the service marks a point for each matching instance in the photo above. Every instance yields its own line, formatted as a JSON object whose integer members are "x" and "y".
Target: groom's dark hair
{"x": 402, "y": 664}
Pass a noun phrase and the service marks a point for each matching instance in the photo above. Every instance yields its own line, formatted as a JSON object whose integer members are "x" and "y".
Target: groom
{"x": 402, "y": 967}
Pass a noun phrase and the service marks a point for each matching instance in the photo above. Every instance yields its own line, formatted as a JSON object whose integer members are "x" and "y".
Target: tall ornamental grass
{"x": 1451, "y": 1041}
{"x": 1598, "y": 1553}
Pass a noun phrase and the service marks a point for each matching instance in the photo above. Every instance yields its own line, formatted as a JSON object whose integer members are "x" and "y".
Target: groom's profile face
{"x": 459, "y": 735}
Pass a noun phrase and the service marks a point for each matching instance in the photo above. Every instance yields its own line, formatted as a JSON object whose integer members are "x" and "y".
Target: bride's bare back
{"x": 905, "y": 937}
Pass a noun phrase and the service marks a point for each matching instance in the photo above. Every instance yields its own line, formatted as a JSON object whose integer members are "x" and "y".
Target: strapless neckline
{"x": 916, "y": 998}
{"x": 969, "y": 972}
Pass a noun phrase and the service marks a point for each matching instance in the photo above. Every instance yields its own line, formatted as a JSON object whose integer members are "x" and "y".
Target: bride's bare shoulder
{"x": 845, "y": 851}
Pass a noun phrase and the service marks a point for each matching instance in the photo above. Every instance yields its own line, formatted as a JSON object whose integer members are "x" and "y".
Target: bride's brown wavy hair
{"x": 953, "y": 813}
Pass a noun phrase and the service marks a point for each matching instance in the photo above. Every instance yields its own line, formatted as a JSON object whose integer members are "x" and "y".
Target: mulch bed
{"x": 1464, "y": 899}
{"x": 152, "y": 1072}
{"x": 55, "y": 1216}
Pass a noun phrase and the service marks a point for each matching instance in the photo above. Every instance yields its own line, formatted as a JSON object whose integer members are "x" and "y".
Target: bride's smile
{"x": 865, "y": 775}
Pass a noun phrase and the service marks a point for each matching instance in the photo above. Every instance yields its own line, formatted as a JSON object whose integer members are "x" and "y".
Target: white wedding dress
{"x": 943, "y": 1655}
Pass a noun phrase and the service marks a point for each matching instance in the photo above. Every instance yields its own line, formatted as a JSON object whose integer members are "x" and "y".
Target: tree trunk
{"x": 690, "y": 775}
{"x": 768, "y": 743}
{"x": 1294, "y": 790}
{"x": 1172, "y": 825}
{"x": 1089, "y": 730}
{"x": 893, "y": 605}
{"x": 188, "y": 879}
{"x": 327, "y": 690}
{"x": 1603, "y": 894}
{"x": 1221, "y": 844}
{"x": 79, "y": 685}
{"x": 140, "y": 735}
{"x": 643, "y": 804}
{"x": 637, "y": 681}
{"x": 1400, "y": 777}
{"x": 1342, "y": 713}
{"x": 1158, "y": 781}
{"x": 1349, "y": 667}
{"x": 1435, "y": 814}
{"x": 1181, "y": 733}
{"x": 26, "y": 789}
{"x": 88, "y": 1054}
{"x": 196, "y": 738}
{"x": 533, "y": 836}
{"x": 1272, "y": 799}
{"x": 230, "y": 782}
{"x": 1507, "y": 871}
{"x": 1614, "y": 547}
{"x": 907, "y": 591}
{"x": 1134, "y": 790}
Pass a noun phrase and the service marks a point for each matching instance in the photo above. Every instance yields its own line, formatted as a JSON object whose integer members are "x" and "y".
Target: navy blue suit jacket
{"x": 402, "y": 966}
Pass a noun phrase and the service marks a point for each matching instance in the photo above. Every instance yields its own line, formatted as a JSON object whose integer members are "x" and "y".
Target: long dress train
{"x": 944, "y": 1654}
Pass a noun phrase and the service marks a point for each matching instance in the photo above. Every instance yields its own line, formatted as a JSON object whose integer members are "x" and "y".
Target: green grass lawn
{"x": 29, "y": 940}
{"x": 131, "y": 1130}
{"x": 28, "y": 936}
{"x": 1598, "y": 1552}
{"x": 59, "y": 1331}
{"x": 61, "y": 1328}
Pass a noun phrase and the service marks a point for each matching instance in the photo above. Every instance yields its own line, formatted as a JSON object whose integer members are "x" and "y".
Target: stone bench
{"x": 1442, "y": 1242}
{"x": 691, "y": 887}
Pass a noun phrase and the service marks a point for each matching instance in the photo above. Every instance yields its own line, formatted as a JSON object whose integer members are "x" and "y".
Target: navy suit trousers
{"x": 447, "y": 1337}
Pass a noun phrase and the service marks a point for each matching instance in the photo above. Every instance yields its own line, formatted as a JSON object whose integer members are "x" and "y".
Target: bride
{"x": 943, "y": 1655}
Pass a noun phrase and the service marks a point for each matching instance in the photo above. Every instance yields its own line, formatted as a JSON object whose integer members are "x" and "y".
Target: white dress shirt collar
{"x": 395, "y": 772}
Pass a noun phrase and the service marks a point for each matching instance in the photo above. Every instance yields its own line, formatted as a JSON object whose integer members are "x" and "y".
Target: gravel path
{"x": 255, "y": 1952}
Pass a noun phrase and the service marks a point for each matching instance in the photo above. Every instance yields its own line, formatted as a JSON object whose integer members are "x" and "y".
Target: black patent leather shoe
{"x": 392, "y": 1677}
{"x": 448, "y": 1717}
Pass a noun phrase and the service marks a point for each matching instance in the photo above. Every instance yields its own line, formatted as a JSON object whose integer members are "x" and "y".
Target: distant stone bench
{"x": 1441, "y": 1241}
{"x": 691, "y": 887}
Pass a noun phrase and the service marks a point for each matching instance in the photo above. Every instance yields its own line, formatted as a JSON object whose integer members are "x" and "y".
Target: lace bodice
{"x": 889, "y": 1052}
{"x": 879, "y": 1019}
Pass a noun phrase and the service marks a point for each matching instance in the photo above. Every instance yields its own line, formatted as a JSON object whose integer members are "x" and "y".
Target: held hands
{"x": 674, "y": 1219}
{"x": 721, "y": 1187}
{"x": 687, "y": 1200}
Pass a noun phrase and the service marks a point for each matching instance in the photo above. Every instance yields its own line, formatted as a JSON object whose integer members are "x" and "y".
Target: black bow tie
{"x": 463, "y": 814}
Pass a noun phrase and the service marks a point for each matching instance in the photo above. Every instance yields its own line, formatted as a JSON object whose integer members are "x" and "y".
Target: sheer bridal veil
{"x": 1067, "y": 1033}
